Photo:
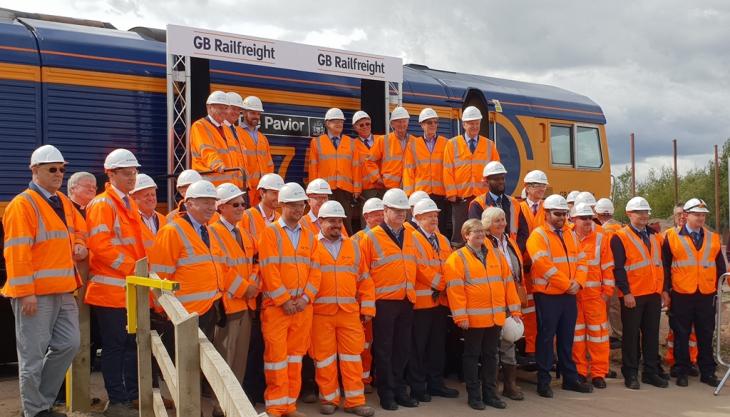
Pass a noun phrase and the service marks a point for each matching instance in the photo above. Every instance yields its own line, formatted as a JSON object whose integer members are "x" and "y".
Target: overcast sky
{"x": 659, "y": 68}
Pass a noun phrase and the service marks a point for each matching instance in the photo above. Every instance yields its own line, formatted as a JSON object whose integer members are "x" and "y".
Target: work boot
{"x": 544, "y": 391}
{"x": 327, "y": 409}
{"x": 711, "y": 380}
{"x": 421, "y": 397}
{"x": 611, "y": 374}
{"x": 443, "y": 391}
{"x": 361, "y": 410}
{"x": 309, "y": 397}
{"x": 694, "y": 370}
{"x": 50, "y": 413}
{"x": 599, "y": 382}
{"x": 406, "y": 401}
{"x": 491, "y": 399}
{"x": 119, "y": 410}
{"x": 511, "y": 390}
{"x": 577, "y": 386}
{"x": 631, "y": 382}
{"x": 474, "y": 397}
{"x": 654, "y": 379}
{"x": 682, "y": 381}
{"x": 368, "y": 388}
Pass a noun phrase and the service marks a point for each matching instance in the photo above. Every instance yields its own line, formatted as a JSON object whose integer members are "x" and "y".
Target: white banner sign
{"x": 201, "y": 43}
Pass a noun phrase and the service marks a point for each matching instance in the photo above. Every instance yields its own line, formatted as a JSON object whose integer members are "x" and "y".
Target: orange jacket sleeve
{"x": 19, "y": 224}
{"x": 313, "y": 153}
{"x": 409, "y": 170}
{"x": 543, "y": 266}
{"x": 271, "y": 283}
{"x": 376, "y": 156}
{"x": 201, "y": 145}
{"x": 449, "y": 176}
{"x": 609, "y": 283}
{"x": 365, "y": 287}
{"x": 100, "y": 223}
{"x": 315, "y": 274}
{"x": 510, "y": 289}
{"x": 428, "y": 272}
{"x": 164, "y": 253}
{"x": 357, "y": 168}
{"x": 454, "y": 271}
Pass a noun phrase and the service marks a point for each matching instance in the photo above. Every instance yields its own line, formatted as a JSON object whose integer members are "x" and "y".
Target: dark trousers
{"x": 556, "y": 317}
{"x": 118, "y": 355}
{"x": 365, "y": 196}
{"x": 481, "y": 342}
{"x": 254, "y": 382}
{"x": 696, "y": 310}
{"x": 345, "y": 198}
{"x": 392, "y": 328}
{"x": 444, "y": 215}
{"x": 641, "y": 331}
{"x": 426, "y": 364}
{"x": 459, "y": 214}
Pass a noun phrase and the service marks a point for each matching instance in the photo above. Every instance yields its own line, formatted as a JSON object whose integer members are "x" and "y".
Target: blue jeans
{"x": 118, "y": 354}
{"x": 556, "y": 317}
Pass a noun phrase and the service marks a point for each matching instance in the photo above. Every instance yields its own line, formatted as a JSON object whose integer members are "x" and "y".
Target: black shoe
{"x": 614, "y": 343}
{"x": 389, "y": 405}
{"x": 682, "y": 381}
{"x": 694, "y": 370}
{"x": 50, "y": 413}
{"x": 577, "y": 386}
{"x": 582, "y": 378}
{"x": 611, "y": 374}
{"x": 599, "y": 382}
{"x": 406, "y": 401}
{"x": 545, "y": 391}
{"x": 477, "y": 404}
{"x": 710, "y": 380}
{"x": 444, "y": 391}
{"x": 494, "y": 401}
{"x": 421, "y": 397}
{"x": 654, "y": 379}
{"x": 631, "y": 382}
{"x": 663, "y": 374}
{"x": 673, "y": 371}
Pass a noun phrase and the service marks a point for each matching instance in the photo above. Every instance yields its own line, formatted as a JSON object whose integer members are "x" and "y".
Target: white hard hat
{"x": 471, "y": 113}
{"x": 695, "y": 205}
{"x": 512, "y": 330}
{"x": 493, "y": 168}
{"x": 425, "y": 206}
{"x": 292, "y": 192}
{"x": 46, "y": 154}
{"x": 416, "y": 197}
{"x": 234, "y": 99}
{"x": 331, "y": 209}
{"x": 581, "y": 209}
{"x": 373, "y": 204}
{"x": 585, "y": 197}
{"x": 571, "y": 196}
{"x": 144, "y": 182}
{"x": 218, "y": 97}
{"x": 319, "y": 186}
{"x": 555, "y": 202}
{"x": 536, "y": 177}
{"x": 270, "y": 182}
{"x": 396, "y": 198}
{"x": 227, "y": 192}
{"x": 427, "y": 113}
{"x": 399, "y": 113}
{"x": 334, "y": 114}
{"x": 201, "y": 189}
{"x": 604, "y": 206}
{"x": 638, "y": 203}
{"x": 120, "y": 158}
{"x": 253, "y": 103}
{"x": 188, "y": 177}
{"x": 359, "y": 115}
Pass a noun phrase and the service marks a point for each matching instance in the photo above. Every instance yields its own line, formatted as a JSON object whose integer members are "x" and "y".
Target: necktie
{"x": 55, "y": 201}
{"x": 57, "y": 207}
{"x": 335, "y": 141}
{"x": 534, "y": 208}
{"x": 126, "y": 201}
{"x": 239, "y": 238}
{"x": 645, "y": 238}
{"x": 434, "y": 242}
{"x": 204, "y": 235}
{"x": 499, "y": 202}
{"x": 696, "y": 239}
{"x": 472, "y": 145}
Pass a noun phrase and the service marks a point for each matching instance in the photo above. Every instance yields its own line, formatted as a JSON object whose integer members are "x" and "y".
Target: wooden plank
{"x": 78, "y": 377}
{"x": 159, "y": 405}
{"x": 173, "y": 308}
{"x": 169, "y": 373}
{"x": 187, "y": 363}
{"x": 144, "y": 348}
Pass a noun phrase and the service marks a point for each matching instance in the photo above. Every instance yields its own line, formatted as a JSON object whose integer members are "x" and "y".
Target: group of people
{"x": 364, "y": 308}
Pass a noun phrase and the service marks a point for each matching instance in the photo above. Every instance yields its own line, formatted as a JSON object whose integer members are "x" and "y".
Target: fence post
{"x": 78, "y": 377}
{"x": 144, "y": 343}
{"x": 187, "y": 363}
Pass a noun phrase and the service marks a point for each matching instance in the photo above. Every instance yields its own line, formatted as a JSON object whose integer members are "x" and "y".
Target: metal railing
{"x": 722, "y": 289}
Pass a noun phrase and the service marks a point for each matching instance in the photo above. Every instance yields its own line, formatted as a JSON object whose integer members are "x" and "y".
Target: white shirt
{"x": 228, "y": 225}
{"x": 121, "y": 195}
{"x": 504, "y": 245}
{"x": 314, "y": 219}
{"x": 149, "y": 221}
{"x": 263, "y": 213}
{"x": 212, "y": 120}
{"x": 294, "y": 234}
{"x": 332, "y": 247}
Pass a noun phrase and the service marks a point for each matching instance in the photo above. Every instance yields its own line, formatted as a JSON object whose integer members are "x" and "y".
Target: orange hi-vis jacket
{"x": 430, "y": 272}
{"x": 611, "y": 228}
{"x": 179, "y": 254}
{"x": 257, "y": 157}
{"x": 388, "y": 153}
{"x": 38, "y": 246}
{"x": 254, "y": 223}
{"x": 287, "y": 272}
{"x": 339, "y": 167}
{"x": 423, "y": 170}
{"x": 147, "y": 236}
{"x": 555, "y": 265}
{"x": 694, "y": 270}
{"x": 235, "y": 154}
{"x": 643, "y": 269}
{"x": 116, "y": 243}
{"x": 346, "y": 284}
{"x": 533, "y": 220}
{"x": 308, "y": 221}
{"x": 480, "y": 293}
{"x": 368, "y": 169}
{"x": 463, "y": 169}
{"x": 210, "y": 151}
{"x": 599, "y": 258}
{"x": 241, "y": 268}
{"x": 393, "y": 269}
{"x": 514, "y": 216}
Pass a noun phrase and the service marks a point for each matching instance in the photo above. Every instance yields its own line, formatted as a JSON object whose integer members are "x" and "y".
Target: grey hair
{"x": 490, "y": 215}
{"x": 77, "y": 177}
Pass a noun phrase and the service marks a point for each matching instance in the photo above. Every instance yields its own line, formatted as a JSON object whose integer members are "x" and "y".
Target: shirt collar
{"x": 467, "y": 138}
{"x": 312, "y": 216}
{"x": 47, "y": 194}
{"x": 431, "y": 139}
{"x": 425, "y": 233}
{"x": 145, "y": 217}
{"x": 263, "y": 214}
{"x": 120, "y": 194}
{"x": 228, "y": 225}
{"x": 638, "y": 232}
{"x": 196, "y": 225}
{"x": 283, "y": 224}
{"x": 246, "y": 126}
{"x": 396, "y": 233}
{"x": 321, "y": 237}
{"x": 494, "y": 196}
{"x": 367, "y": 139}
{"x": 690, "y": 230}
{"x": 212, "y": 120}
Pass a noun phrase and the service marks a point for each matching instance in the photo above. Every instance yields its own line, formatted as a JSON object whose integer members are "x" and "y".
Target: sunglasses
{"x": 364, "y": 124}
{"x": 559, "y": 213}
{"x": 237, "y": 205}
{"x": 53, "y": 170}
{"x": 431, "y": 122}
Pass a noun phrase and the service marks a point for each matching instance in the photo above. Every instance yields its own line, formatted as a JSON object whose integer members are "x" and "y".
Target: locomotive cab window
{"x": 575, "y": 146}
{"x": 561, "y": 145}
{"x": 588, "y": 147}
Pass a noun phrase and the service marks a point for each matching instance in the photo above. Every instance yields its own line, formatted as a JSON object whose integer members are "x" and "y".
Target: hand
{"x": 289, "y": 307}
{"x": 29, "y": 305}
{"x": 355, "y": 196}
{"x": 516, "y": 318}
{"x": 574, "y": 287}
{"x": 666, "y": 299}
{"x": 629, "y": 301}
{"x": 300, "y": 303}
{"x": 452, "y": 199}
{"x": 605, "y": 298}
{"x": 379, "y": 183}
{"x": 435, "y": 294}
{"x": 251, "y": 291}
{"x": 463, "y": 325}
{"x": 364, "y": 318}
{"x": 80, "y": 252}
{"x": 220, "y": 170}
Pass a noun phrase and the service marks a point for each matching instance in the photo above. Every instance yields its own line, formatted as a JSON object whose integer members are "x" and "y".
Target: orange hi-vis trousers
{"x": 669, "y": 355}
{"x": 590, "y": 345}
{"x": 286, "y": 340}
{"x": 529, "y": 319}
{"x": 338, "y": 336}
{"x": 367, "y": 354}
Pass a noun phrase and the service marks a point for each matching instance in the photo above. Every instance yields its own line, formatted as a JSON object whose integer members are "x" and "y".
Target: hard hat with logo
{"x": 427, "y": 113}
{"x": 585, "y": 197}
{"x": 188, "y": 177}
{"x": 416, "y": 197}
{"x": 319, "y": 186}
{"x": 331, "y": 209}
{"x": 604, "y": 206}
{"x": 512, "y": 330}
{"x": 425, "y": 206}
{"x": 396, "y": 198}
{"x": 270, "y": 182}
{"x": 555, "y": 202}
{"x": 536, "y": 177}
{"x": 143, "y": 182}
{"x": 292, "y": 192}
{"x": 253, "y": 103}
{"x": 234, "y": 99}
{"x": 638, "y": 204}
{"x": 695, "y": 205}
{"x": 359, "y": 115}
{"x": 373, "y": 204}
{"x": 571, "y": 196}
{"x": 399, "y": 113}
{"x": 334, "y": 114}
{"x": 46, "y": 154}
{"x": 120, "y": 158}
{"x": 471, "y": 113}
{"x": 493, "y": 168}
{"x": 582, "y": 209}
{"x": 201, "y": 189}
{"x": 218, "y": 97}
{"x": 227, "y": 192}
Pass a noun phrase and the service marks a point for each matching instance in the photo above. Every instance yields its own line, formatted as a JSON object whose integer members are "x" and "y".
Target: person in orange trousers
{"x": 669, "y": 355}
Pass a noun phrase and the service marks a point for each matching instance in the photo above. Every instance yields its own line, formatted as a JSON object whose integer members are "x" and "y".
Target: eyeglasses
{"x": 431, "y": 122}
{"x": 237, "y": 205}
{"x": 559, "y": 213}
{"x": 585, "y": 217}
{"x": 53, "y": 170}
{"x": 364, "y": 124}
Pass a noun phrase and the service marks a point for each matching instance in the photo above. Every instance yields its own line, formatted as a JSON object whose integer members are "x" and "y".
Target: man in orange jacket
{"x": 44, "y": 236}
{"x": 116, "y": 243}
{"x": 345, "y": 300}
{"x": 372, "y": 183}
{"x": 234, "y": 135}
{"x": 145, "y": 195}
{"x": 256, "y": 218}
{"x": 257, "y": 152}
{"x": 558, "y": 272}
{"x": 208, "y": 141}
{"x": 388, "y": 151}
{"x": 290, "y": 278}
